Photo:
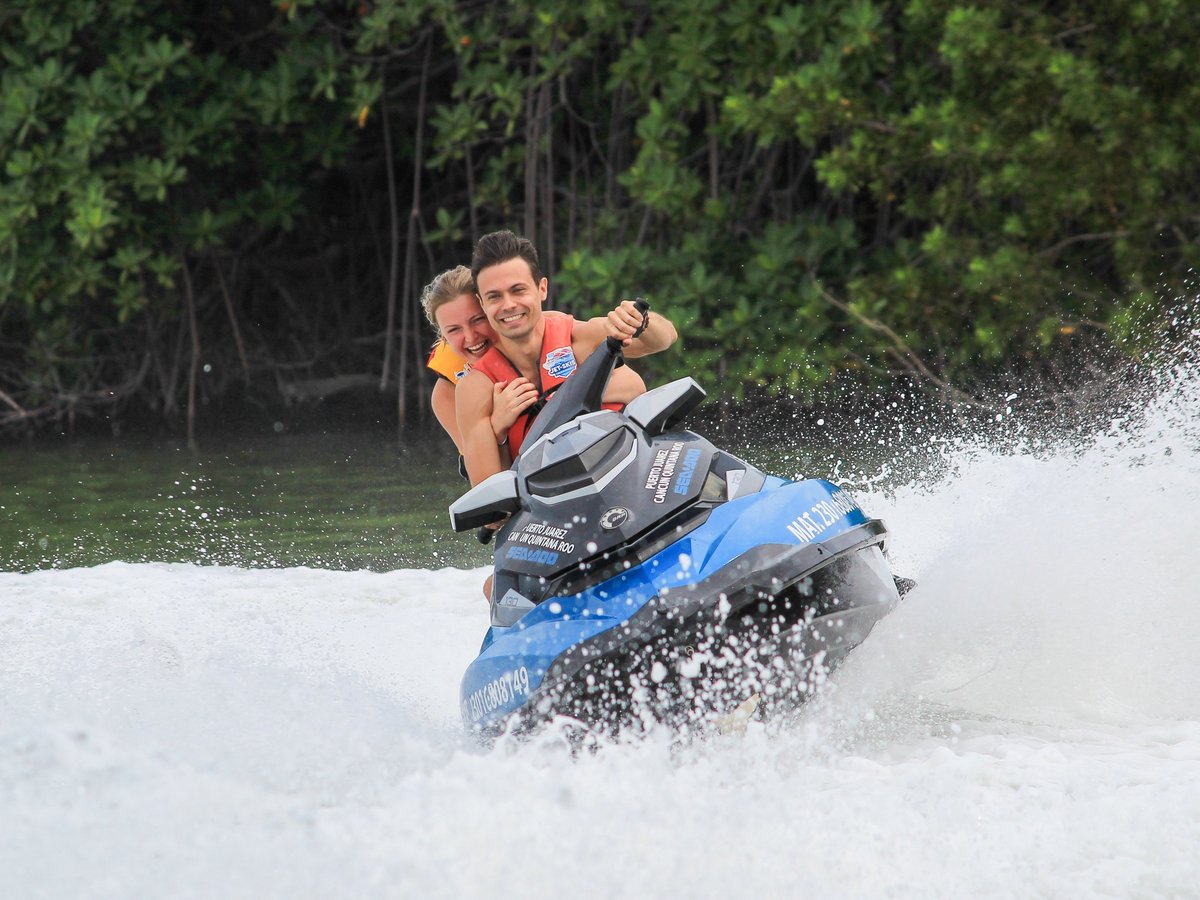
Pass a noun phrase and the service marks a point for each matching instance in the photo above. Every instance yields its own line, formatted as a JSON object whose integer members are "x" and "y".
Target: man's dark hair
{"x": 499, "y": 247}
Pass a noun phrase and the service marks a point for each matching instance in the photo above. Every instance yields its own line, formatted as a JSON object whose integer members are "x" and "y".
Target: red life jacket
{"x": 556, "y": 362}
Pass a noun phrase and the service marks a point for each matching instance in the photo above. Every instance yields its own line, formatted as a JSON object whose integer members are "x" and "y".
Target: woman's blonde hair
{"x": 450, "y": 285}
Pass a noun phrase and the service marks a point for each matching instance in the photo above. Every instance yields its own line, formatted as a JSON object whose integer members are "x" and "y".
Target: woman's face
{"x": 465, "y": 327}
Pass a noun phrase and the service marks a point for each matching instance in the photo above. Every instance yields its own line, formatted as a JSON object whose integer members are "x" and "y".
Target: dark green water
{"x": 340, "y": 502}
{"x": 347, "y": 501}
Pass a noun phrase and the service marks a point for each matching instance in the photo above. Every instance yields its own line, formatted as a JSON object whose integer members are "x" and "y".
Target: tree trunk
{"x": 394, "y": 216}
{"x": 547, "y": 184}
{"x": 190, "y": 294}
{"x": 233, "y": 322}
{"x": 472, "y": 216}
{"x": 410, "y": 250}
{"x": 714, "y": 151}
{"x": 531, "y": 142}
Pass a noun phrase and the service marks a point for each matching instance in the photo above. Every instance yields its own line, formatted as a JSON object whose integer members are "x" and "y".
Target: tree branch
{"x": 1080, "y": 238}
{"x": 899, "y": 350}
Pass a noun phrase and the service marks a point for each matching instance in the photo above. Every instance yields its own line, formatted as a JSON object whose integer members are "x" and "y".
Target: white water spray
{"x": 1027, "y": 723}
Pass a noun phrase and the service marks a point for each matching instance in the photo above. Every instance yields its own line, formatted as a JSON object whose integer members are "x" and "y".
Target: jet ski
{"x": 643, "y": 575}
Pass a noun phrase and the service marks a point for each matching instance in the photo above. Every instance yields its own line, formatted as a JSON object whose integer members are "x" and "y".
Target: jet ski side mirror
{"x": 662, "y": 407}
{"x": 489, "y": 501}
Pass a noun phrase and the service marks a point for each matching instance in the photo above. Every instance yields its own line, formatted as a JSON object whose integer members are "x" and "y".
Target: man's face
{"x": 511, "y": 298}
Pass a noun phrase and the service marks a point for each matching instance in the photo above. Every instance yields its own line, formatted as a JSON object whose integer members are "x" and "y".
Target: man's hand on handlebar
{"x": 626, "y": 322}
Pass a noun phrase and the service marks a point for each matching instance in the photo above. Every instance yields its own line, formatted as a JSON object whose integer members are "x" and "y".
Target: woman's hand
{"x": 509, "y": 400}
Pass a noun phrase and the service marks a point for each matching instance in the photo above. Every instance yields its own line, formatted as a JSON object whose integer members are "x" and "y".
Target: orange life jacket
{"x": 447, "y": 363}
{"x": 556, "y": 362}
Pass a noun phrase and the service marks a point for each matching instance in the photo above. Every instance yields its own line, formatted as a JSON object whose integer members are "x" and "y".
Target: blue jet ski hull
{"x": 764, "y": 596}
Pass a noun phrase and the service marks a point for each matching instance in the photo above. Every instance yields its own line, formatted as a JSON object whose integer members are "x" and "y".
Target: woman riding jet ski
{"x": 644, "y": 574}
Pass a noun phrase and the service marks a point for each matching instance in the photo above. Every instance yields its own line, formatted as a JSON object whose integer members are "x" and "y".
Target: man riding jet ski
{"x": 644, "y": 574}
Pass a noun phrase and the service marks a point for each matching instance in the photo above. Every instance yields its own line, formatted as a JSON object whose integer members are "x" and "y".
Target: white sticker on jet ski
{"x": 733, "y": 481}
{"x": 809, "y": 525}
{"x": 662, "y": 470}
{"x": 513, "y": 600}
{"x": 496, "y": 693}
{"x": 548, "y": 537}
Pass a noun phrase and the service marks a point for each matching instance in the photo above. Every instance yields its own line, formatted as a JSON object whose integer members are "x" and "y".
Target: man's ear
{"x": 544, "y": 287}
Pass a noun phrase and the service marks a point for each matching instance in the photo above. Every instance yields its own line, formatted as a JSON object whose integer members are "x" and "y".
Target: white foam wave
{"x": 1027, "y": 723}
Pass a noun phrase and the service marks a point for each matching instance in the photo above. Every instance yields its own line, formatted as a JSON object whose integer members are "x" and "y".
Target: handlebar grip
{"x": 485, "y": 535}
{"x": 643, "y": 307}
{"x": 616, "y": 344}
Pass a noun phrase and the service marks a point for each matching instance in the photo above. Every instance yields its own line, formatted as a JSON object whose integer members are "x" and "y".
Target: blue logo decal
{"x": 686, "y": 470}
{"x": 560, "y": 363}
{"x": 533, "y": 555}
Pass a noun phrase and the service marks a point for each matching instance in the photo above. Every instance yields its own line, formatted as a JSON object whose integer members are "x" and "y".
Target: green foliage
{"x": 807, "y": 189}
{"x": 131, "y": 140}
{"x": 982, "y": 179}
{"x": 1041, "y": 143}
{"x": 752, "y": 316}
